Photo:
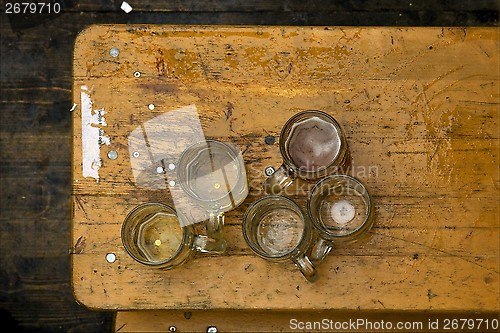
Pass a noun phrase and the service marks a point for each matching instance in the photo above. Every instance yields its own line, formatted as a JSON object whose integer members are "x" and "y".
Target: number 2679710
{"x": 32, "y": 8}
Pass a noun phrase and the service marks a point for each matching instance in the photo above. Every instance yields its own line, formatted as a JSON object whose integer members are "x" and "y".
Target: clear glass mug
{"x": 156, "y": 235}
{"x": 276, "y": 229}
{"x": 341, "y": 209}
{"x": 312, "y": 145}
{"x": 213, "y": 174}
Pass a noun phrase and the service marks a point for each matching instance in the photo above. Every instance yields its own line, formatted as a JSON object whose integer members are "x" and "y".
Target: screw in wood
{"x": 269, "y": 140}
{"x": 269, "y": 171}
{"x": 112, "y": 155}
{"x": 114, "y": 52}
{"x": 111, "y": 257}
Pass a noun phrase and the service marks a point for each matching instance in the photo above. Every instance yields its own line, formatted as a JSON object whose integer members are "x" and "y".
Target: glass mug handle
{"x": 213, "y": 242}
{"x": 320, "y": 250}
{"x": 306, "y": 267}
{"x": 279, "y": 180}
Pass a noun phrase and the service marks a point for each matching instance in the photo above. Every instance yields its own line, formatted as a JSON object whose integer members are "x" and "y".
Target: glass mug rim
{"x": 186, "y": 233}
{"x": 287, "y": 160}
{"x": 303, "y": 237}
{"x": 320, "y": 227}
{"x": 183, "y": 182}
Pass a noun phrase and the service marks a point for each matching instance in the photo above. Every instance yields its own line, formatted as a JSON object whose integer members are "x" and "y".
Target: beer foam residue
{"x": 313, "y": 144}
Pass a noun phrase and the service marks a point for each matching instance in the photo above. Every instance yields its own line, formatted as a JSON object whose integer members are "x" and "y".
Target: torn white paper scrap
{"x": 126, "y": 7}
{"x": 92, "y": 136}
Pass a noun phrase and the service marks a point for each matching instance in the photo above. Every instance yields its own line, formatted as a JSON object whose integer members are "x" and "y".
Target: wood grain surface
{"x": 420, "y": 110}
{"x": 295, "y": 321}
{"x": 35, "y": 131}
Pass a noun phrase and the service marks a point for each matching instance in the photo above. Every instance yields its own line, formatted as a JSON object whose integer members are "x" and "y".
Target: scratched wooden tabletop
{"x": 420, "y": 109}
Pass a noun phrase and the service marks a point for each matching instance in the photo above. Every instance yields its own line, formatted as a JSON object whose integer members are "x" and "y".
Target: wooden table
{"x": 420, "y": 108}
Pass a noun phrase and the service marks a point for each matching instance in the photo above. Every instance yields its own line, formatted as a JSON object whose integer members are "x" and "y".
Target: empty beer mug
{"x": 341, "y": 209}
{"x": 312, "y": 145}
{"x": 275, "y": 229}
{"x": 213, "y": 174}
{"x": 154, "y": 234}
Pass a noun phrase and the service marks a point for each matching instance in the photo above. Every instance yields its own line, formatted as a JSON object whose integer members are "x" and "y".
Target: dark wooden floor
{"x": 35, "y": 127}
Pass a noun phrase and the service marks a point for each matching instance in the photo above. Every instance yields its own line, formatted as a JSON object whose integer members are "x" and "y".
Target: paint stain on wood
{"x": 79, "y": 246}
{"x": 160, "y": 65}
{"x": 430, "y": 295}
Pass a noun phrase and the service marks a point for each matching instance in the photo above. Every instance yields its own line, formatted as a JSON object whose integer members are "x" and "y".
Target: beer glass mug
{"x": 275, "y": 229}
{"x": 341, "y": 209}
{"x": 213, "y": 174}
{"x": 156, "y": 235}
{"x": 312, "y": 145}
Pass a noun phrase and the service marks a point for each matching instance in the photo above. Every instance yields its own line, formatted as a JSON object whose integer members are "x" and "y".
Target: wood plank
{"x": 393, "y": 212}
{"x": 278, "y": 5}
{"x": 419, "y": 104}
{"x": 253, "y": 283}
{"x": 25, "y": 147}
{"x": 400, "y": 240}
{"x": 267, "y": 321}
{"x": 35, "y": 173}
